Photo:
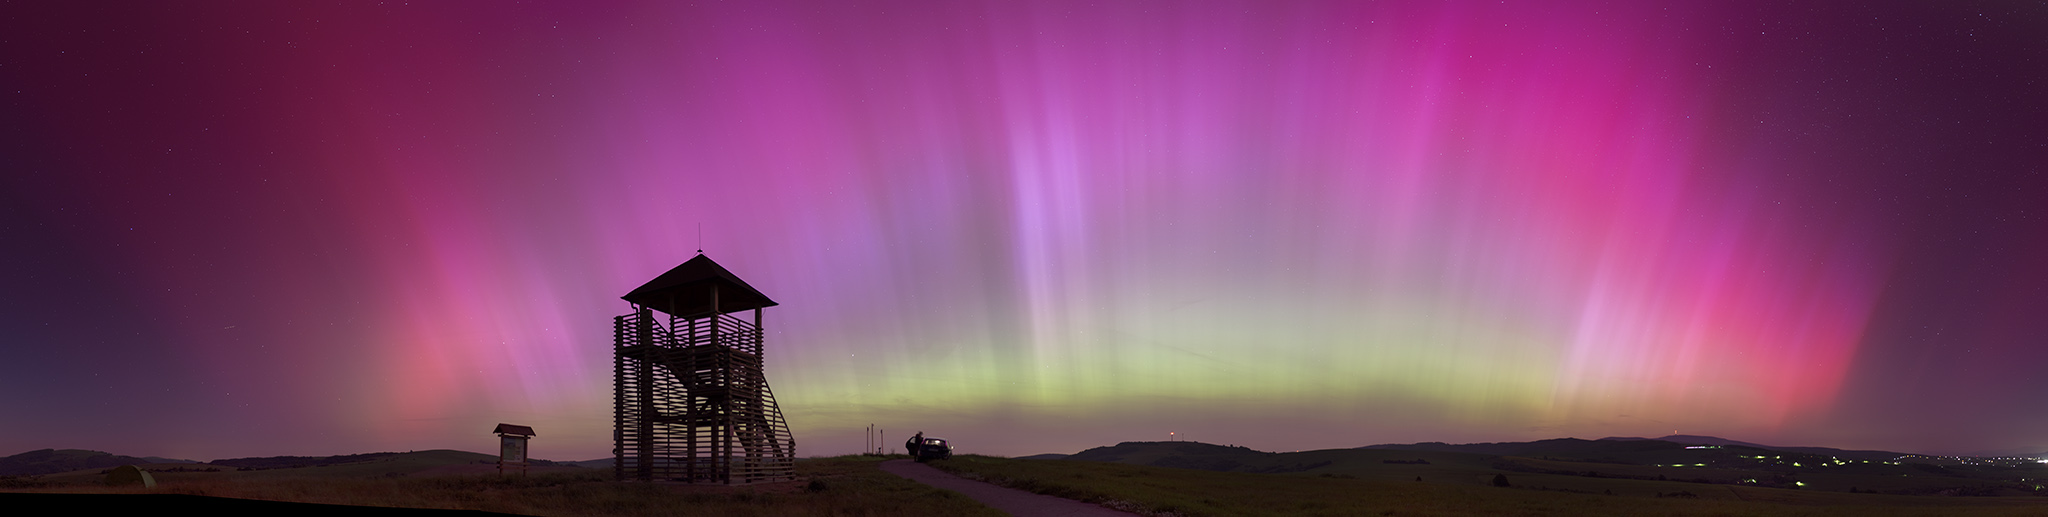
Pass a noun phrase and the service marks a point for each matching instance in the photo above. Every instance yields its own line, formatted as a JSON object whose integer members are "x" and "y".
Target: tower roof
{"x": 688, "y": 289}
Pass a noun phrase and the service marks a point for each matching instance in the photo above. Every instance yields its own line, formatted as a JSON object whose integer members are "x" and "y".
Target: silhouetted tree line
{"x": 1777, "y": 481}
{"x": 286, "y": 462}
{"x": 51, "y": 461}
{"x": 1229, "y": 465}
{"x": 185, "y": 469}
{"x": 1606, "y": 461}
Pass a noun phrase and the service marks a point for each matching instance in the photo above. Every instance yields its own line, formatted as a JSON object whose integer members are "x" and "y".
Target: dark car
{"x": 933, "y": 449}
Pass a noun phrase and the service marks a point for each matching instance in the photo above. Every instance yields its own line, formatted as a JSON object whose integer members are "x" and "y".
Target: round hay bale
{"x": 129, "y": 475}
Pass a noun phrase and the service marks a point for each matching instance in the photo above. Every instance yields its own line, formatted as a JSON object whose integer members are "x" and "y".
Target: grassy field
{"x": 1452, "y": 484}
{"x": 1449, "y": 488}
{"x": 843, "y": 486}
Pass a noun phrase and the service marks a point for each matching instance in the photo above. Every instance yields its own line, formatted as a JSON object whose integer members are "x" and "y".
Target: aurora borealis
{"x": 249, "y": 229}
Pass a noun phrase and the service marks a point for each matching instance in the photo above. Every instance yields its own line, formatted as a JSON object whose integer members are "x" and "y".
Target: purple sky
{"x": 270, "y": 228}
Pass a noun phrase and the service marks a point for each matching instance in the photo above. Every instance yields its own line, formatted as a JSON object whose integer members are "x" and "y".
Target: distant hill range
{"x": 600, "y": 463}
{"x": 1677, "y": 464}
{"x": 1709, "y": 440}
{"x": 1222, "y": 458}
{"x": 51, "y": 461}
{"x": 1614, "y": 450}
{"x": 286, "y": 462}
{"x": 1612, "y": 446}
{"x": 1203, "y": 456}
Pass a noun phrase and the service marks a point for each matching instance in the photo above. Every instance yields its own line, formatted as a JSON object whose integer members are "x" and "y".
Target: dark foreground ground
{"x": 1447, "y": 484}
{"x": 152, "y": 504}
{"x": 423, "y": 485}
{"x": 1010, "y": 500}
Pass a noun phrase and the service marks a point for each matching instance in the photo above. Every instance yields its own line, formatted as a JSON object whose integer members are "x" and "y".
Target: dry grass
{"x": 845, "y": 486}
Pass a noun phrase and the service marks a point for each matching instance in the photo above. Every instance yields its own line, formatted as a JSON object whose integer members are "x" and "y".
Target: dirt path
{"x": 1013, "y": 501}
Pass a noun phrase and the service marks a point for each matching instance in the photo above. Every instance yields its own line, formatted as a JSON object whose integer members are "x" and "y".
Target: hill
{"x": 1828, "y": 451}
{"x": 1612, "y": 451}
{"x": 374, "y": 465}
{"x": 284, "y": 462}
{"x": 1168, "y": 491}
{"x": 1187, "y": 455}
{"x": 1358, "y": 463}
{"x": 600, "y": 463}
{"x": 280, "y": 462}
{"x": 1602, "y": 466}
{"x": 49, "y": 461}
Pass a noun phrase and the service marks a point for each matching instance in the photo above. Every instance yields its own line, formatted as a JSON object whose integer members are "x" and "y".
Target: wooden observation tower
{"x": 690, "y": 401}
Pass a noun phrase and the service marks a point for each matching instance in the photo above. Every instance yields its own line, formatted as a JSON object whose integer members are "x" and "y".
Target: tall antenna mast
{"x": 700, "y": 238}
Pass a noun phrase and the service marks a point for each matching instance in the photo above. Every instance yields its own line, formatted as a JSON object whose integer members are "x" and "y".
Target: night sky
{"x": 278, "y": 228}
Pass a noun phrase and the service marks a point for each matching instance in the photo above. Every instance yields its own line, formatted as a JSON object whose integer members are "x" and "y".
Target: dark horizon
{"x": 896, "y": 448}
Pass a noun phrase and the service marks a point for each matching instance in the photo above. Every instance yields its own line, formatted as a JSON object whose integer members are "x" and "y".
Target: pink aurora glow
{"x": 1484, "y": 221}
